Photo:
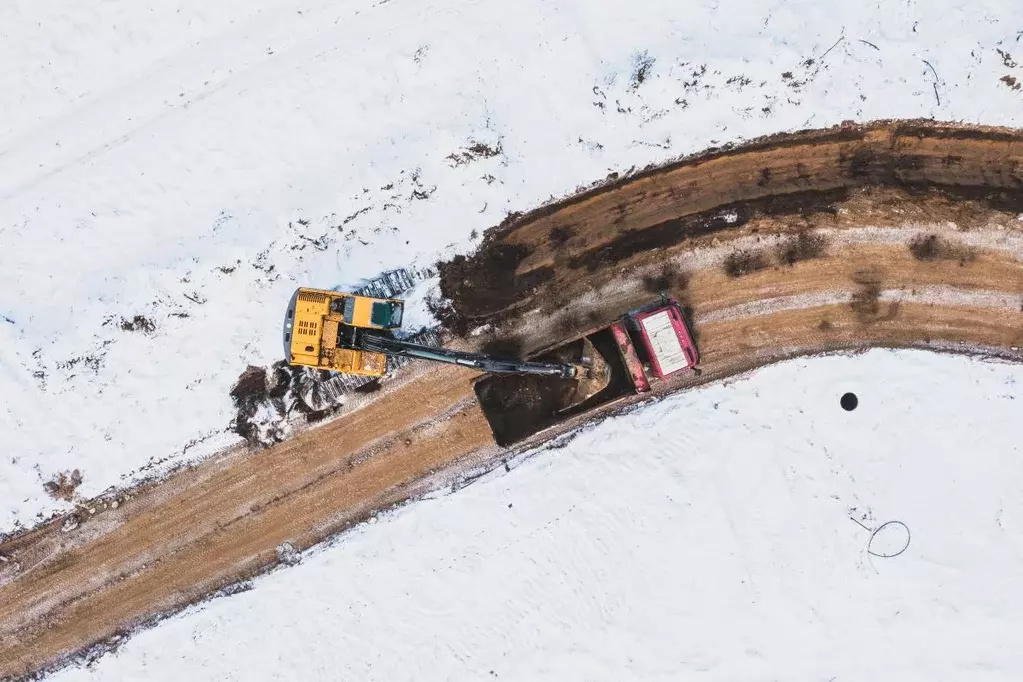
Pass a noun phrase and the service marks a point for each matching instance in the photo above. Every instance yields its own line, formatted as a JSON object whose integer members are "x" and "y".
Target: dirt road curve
{"x": 892, "y": 235}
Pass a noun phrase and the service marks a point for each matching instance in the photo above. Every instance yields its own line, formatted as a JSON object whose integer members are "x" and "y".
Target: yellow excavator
{"x": 354, "y": 334}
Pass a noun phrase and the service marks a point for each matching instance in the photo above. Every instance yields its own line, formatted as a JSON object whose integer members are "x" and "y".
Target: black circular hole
{"x": 849, "y": 402}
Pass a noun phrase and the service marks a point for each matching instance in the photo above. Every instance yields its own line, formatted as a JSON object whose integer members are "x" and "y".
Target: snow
{"x": 193, "y": 163}
{"x": 722, "y": 532}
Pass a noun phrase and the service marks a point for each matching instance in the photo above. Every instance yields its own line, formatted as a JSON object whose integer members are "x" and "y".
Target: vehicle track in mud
{"x": 902, "y": 234}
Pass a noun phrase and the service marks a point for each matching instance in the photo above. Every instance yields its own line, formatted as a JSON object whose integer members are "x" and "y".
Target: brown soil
{"x": 560, "y": 271}
{"x": 802, "y": 179}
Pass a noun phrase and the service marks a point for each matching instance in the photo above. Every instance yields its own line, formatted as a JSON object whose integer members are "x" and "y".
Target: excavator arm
{"x": 351, "y": 334}
{"x": 479, "y": 361}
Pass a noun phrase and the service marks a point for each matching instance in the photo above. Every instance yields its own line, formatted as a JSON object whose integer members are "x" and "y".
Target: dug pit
{"x": 520, "y": 405}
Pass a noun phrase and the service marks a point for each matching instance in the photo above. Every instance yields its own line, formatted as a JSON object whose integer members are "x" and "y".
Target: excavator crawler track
{"x": 394, "y": 282}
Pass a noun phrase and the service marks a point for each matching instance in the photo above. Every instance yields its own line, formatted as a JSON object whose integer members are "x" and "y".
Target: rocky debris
{"x": 262, "y": 404}
{"x": 287, "y": 554}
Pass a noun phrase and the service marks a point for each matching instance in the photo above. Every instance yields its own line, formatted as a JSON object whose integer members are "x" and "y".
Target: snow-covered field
{"x": 720, "y": 534}
{"x": 190, "y": 163}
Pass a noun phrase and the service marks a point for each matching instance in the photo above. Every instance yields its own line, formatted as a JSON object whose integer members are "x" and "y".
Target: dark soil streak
{"x": 489, "y": 280}
{"x": 727, "y": 217}
{"x": 619, "y": 180}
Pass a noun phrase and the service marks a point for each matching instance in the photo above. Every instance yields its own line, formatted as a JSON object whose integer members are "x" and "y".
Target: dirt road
{"x": 897, "y": 235}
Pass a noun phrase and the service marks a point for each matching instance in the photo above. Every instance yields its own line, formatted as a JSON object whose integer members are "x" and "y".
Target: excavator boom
{"x": 479, "y": 361}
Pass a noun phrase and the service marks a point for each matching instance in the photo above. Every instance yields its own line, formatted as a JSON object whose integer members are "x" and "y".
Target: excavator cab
{"x": 364, "y": 312}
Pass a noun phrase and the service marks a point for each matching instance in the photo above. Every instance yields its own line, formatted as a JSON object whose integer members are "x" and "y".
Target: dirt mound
{"x": 251, "y": 386}
{"x": 932, "y": 247}
{"x": 489, "y": 279}
{"x": 264, "y": 398}
{"x": 248, "y": 393}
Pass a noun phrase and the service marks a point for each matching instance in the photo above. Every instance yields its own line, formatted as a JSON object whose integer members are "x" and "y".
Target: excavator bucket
{"x": 593, "y": 374}
{"x": 519, "y": 405}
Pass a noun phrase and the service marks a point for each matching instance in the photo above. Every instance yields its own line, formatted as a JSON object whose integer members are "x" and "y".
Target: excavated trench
{"x": 894, "y": 234}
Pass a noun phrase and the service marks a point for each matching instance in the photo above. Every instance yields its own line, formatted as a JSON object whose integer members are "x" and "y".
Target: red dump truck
{"x": 643, "y": 346}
